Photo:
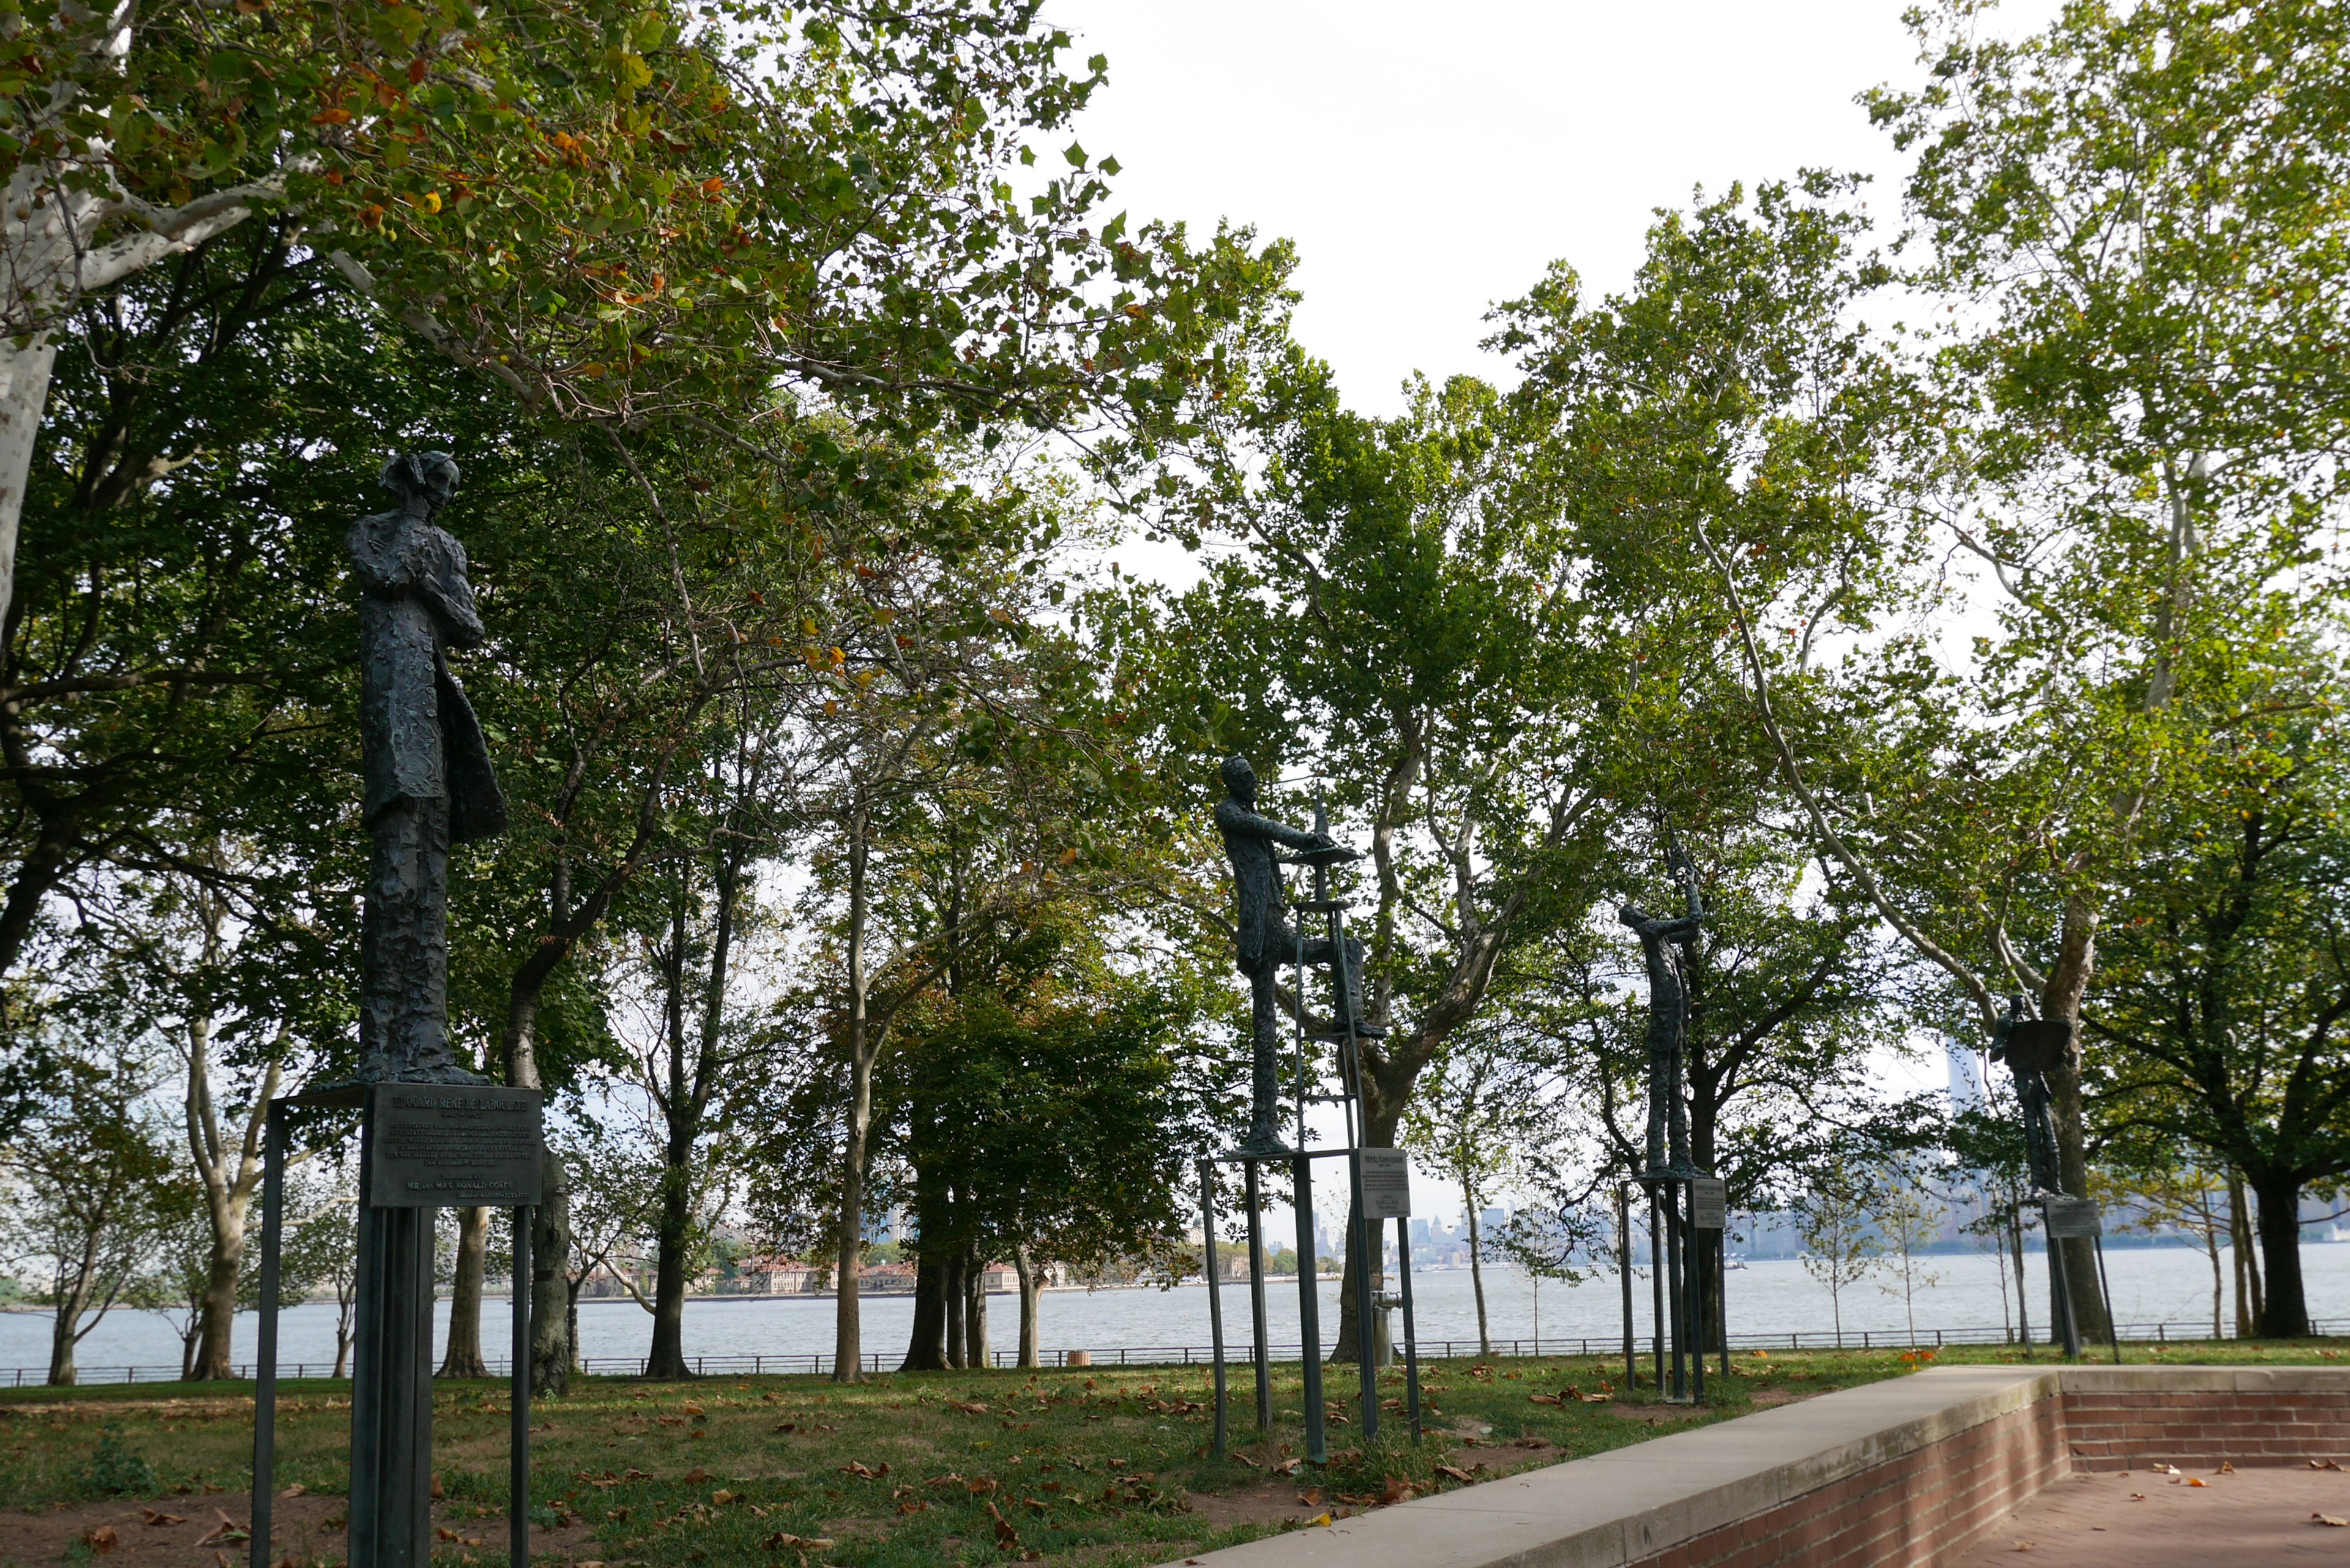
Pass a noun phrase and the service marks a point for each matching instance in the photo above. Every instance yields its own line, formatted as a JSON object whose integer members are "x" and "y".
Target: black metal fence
{"x": 1199, "y": 1354}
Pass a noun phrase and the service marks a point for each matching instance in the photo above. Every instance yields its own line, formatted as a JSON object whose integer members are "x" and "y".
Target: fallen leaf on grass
{"x": 722, "y": 1496}
{"x": 695, "y": 1476}
{"x": 100, "y": 1541}
{"x": 1455, "y": 1472}
{"x": 1543, "y": 1399}
{"x": 912, "y": 1505}
{"x": 1285, "y": 1467}
{"x": 784, "y": 1541}
{"x": 971, "y": 1408}
{"x": 153, "y": 1517}
{"x": 294, "y": 1490}
{"x": 226, "y": 1532}
{"x": 980, "y": 1487}
{"x": 1006, "y": 1538}
{"x": 858, "y": 1470}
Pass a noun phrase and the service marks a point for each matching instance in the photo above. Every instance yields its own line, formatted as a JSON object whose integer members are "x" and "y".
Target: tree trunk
{"x": 952, "y": 1287}
{"x": 62, "y": 1340}
{"x": 2211, "y": 1245}
{"x": 974, "y": 1314}
{"x": 2284, "y": 1310}
{"x": 848, "y": 1236}
{"x": 550, "y": 1280}
{"x": 1379, "y": 1119}
{"x": 463, "y": 1359}
{"x": 2068, "y": 983}
{"x": 2247, "y": 1268}
{"x": 1032, "y": 1299}
{"x": 674, "y": 1235}
{"x": 23, "y": 392}
{"x": 1477, "y": 1272}
{"x": 926, "y": 1351}
{"x": 228, "y": 1170}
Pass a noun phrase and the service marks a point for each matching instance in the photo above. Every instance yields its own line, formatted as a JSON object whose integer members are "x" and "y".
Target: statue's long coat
{"x": 421, "y": 740}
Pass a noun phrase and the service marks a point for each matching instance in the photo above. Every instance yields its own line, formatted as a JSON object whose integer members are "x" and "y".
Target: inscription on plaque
{"x": 2071, "y": 1216}
{"x": 437, "y": 1147}
{"x": 1709, "y": 1203}
{"x": 1387, "y": 1184}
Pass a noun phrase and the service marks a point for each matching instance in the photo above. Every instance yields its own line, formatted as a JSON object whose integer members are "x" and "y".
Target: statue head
{"x": 1240, "y": 779}
{"x": 427, "y": 476}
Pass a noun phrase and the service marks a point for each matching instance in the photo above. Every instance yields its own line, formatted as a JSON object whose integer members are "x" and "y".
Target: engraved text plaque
{"x": 438, "y": 1146}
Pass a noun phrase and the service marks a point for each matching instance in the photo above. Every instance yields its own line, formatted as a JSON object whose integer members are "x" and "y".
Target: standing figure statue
{"x": 1664, "y": 944}
{"x": 1266, "y": 940}
{"x": 429, "y": 782}
{"x": 2032, "y": 1048}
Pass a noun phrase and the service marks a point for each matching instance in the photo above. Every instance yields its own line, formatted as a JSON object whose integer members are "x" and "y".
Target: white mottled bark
{"x": 50, "y": 257}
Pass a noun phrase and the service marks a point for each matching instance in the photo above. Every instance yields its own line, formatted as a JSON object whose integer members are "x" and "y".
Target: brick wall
{"x": 1899, "y": 1514}
{"x": 1935, "y": 1500}
{"x": 2121, "y": 1429}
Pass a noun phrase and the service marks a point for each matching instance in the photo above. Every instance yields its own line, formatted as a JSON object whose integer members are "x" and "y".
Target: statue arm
{"x": 1239, "y": 819}
{"x": 444, "y": 587}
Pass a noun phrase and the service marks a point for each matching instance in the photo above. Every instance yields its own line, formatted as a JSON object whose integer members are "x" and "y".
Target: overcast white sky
{"x": 1430, "y": 160}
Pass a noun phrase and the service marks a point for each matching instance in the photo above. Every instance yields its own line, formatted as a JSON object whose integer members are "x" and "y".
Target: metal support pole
{"x": 1624, "y": 1250}
{"x": 265, "y": 1371}
{"x": 1309, "y": 1313}
{"x": 2113, "y": 1324}
{"x": 1215, "y": 1293}
{"x": 1696, "y": 1269}
{"x": 1410, "y": 1329}
{"x": 1676, "y": 1287}
{"x": 518, "y": 1442}
{"x": 1721, "y": 1293}
{"x": 1259, "y": 1352}
{"x": 1366, "y": 1238}
{"x": 2061, "y": 1279}
{"x": 1657, "y": 1288}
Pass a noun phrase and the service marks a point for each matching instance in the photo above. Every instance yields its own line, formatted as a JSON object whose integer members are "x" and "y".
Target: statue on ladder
{"x": 429, "y": 782}
{"x": 1266, "y": 939}
{"x": 1665, "y": 943}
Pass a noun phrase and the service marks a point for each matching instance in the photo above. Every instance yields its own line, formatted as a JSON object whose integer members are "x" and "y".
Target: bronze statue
{"x": 1665, "y": 943}
{"x": 1266, "y": 940}
{"x": 2032, "y": 1048}
{"x": 428, "y": 782}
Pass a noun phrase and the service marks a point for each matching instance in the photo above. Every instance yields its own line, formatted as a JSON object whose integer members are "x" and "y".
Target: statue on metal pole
{"x": 1266, "y": 939}
{"x": 429, "y": 780}
{"x": 1665, "y": 944}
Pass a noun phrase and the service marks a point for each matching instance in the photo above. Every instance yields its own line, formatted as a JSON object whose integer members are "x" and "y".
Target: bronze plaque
{"x": 1387, "y": 1184}
{"x": 444, "y": 1145}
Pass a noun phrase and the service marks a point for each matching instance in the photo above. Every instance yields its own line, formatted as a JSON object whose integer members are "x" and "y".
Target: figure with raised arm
{"x": 1664, "y": 944}
{"x": 428, "y": 782}
{"x": 1266, "y": 939}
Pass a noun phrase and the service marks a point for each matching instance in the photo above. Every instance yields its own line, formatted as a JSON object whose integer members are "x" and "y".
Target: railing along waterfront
{"x": 1239, "y": 1351}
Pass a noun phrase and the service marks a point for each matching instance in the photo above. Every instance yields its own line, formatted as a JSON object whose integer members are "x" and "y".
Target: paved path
{"x": 2145, "y": 1518}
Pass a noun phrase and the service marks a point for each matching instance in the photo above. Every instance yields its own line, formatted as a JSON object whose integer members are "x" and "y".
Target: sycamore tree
{"x": 2134, "y": 217}
{"x": 626, "y": 212}
{"x": 2220, "y": 1021}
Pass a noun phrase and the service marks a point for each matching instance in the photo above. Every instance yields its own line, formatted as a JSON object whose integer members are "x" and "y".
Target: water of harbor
{"x": 1956, "y": 1292}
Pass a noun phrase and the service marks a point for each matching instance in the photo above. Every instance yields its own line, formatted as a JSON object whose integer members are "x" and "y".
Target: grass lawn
{"x": 1107, "y": 1467}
